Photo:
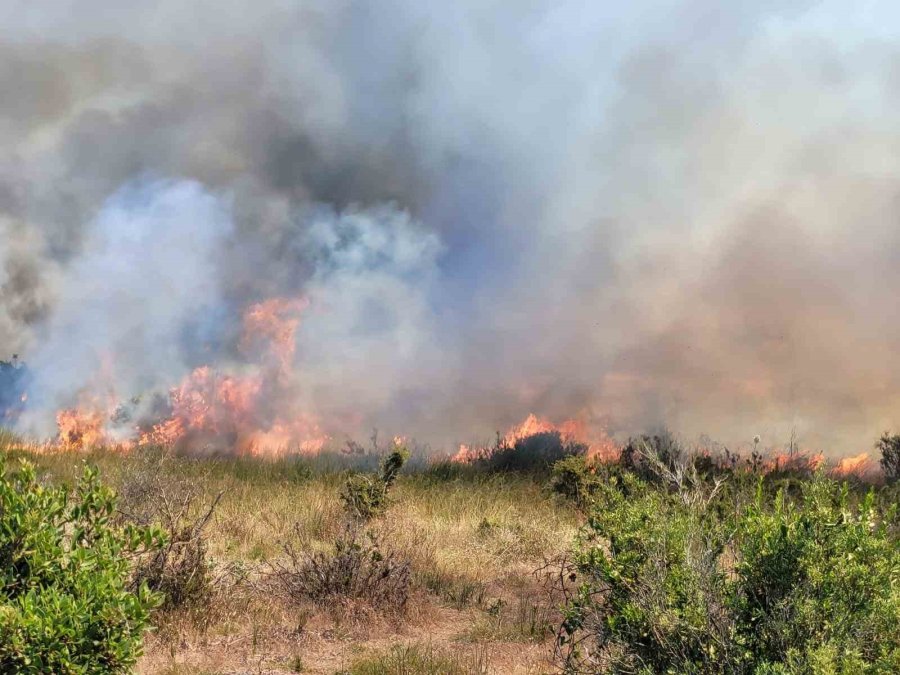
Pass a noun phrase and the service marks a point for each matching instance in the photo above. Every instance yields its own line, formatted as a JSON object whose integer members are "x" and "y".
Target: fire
{"x": 273, "y": 324}
{"x": 247, "y": 408}
{"x": 600, "y": 446}
{"x": 798, "y": 461}
{"x": 207, "y": 403}
{"x": 858, "y": 465}
{"x": 80, "y": 429}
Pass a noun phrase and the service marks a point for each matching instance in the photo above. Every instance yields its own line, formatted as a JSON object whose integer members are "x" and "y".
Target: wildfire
{"x": 80, "y": 429}
{"x": 247, "y": 409}
{"x": 858, "y": 465}
{"x": 600, "y": 446}
{"x": 272, "y": 325}
{"x": 804, "y": 461}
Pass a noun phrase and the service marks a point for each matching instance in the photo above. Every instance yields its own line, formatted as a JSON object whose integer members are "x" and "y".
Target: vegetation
{"x": 536, "y": 453}
{"x": 889, "y": 447}
{"x": 65, "y": 601}
{"x": 419, "y": 660}
{"x": 668, "y": 561}
{"x": 365, "y": 496}
{"x": 692, "y": 578}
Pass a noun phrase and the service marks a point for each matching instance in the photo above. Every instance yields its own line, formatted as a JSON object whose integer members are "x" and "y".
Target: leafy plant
{"x": 356, "y": 569}
{"x": 574, "y": 478}
{"x": 65, "y": 604}
{"x": 668, "y": 583}
{"x": 365, "y": 496}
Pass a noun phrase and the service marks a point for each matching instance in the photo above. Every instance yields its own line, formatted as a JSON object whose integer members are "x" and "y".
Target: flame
{"x": 80, "y": 429}
{"x": 857, "y": 465}
{"x": 213, "y": 408}
{"x": 273, "y": 324}
{"x": 248, "y": 409}
{"x": 803, "y": 461}
{"x": 600, "y": 447}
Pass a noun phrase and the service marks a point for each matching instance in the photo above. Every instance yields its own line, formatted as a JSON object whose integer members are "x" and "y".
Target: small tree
{"x": 889, "y": 445}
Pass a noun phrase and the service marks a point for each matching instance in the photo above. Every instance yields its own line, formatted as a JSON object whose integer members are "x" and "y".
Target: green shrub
{"x": 365, "y": 496}
{"x": 65, "y": 606}
{"x": 574, "y": 478}
{"x": 667, "y": 584}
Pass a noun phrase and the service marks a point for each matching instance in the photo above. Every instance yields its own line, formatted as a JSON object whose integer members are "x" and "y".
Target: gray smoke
{"x": 673, "y": 213}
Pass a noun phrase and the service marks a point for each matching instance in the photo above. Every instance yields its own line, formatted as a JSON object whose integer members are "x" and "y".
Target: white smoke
{"x": 147, "y": 270}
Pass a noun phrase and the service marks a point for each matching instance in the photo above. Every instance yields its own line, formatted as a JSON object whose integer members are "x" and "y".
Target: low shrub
{"x": 575, "y": 479}
{"x": 356, "y": 569}
{"x": 65, "y": 602}
{"x": 536, "y": 453}
{"x": 180, "y": 569}
{"x": 644, "y": 455}
{"x": 665, "y": 583}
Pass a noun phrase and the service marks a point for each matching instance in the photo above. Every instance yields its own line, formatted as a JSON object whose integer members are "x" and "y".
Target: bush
{"x": 365, "y": 496}
{"x": 646, "y": 454}
{"x": 889, "y": 446}
{"x": 65, "y": 606}
{"x": 667, "y": 584}
{"x": 575, "y": 479}
{"x": 536, "y": 453}
{"x": 357, "y": 569}
{"x": 180, "y": 569}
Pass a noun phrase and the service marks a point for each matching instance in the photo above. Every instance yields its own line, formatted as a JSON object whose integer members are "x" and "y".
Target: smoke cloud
{"x": 674, "y": 213}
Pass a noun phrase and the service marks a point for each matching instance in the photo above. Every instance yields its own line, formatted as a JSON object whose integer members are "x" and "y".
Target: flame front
{"x": 857, "y": 465}
{"x": 80, "y": 429}
{"x": 246, "y": 408}
{"x": 600, "y": 447}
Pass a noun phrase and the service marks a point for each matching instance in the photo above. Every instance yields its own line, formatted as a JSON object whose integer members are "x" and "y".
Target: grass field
{"x": 473, "y": 543}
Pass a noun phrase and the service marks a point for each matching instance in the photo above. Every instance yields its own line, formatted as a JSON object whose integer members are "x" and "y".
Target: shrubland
{"x": 531, "y": 558}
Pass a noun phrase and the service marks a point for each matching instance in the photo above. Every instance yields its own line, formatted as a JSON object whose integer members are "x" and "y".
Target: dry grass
{"x": 472, "y": 542}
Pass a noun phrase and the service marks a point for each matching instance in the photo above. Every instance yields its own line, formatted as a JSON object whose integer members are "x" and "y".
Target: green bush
{"x": 574, "y": 478}
{"x": 666, "y": 584}
{"x": 65, "y": 603}
{"x": 365, "y": 496}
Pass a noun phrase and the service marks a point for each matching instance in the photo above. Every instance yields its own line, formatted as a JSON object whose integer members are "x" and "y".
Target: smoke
{"x": 671, "y": 213}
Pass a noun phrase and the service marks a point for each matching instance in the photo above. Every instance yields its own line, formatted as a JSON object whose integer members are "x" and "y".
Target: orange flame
{"x": 600, "y": 447}
{"x": 858, "y": 465}
{"x": 80, "y": 429}
{"x": 247, "y": 411}
{"x": 273, "y": 324}
{"x": 803, "y": 461}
